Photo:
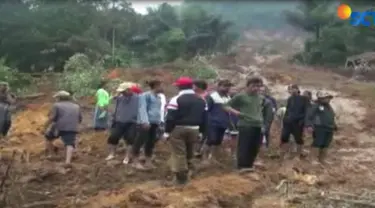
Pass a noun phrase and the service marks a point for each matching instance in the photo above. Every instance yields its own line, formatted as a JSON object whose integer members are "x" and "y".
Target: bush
{"x": 197, "y": 68}
{"x": 80, "y": 76}
{"x": 19, "y": 82}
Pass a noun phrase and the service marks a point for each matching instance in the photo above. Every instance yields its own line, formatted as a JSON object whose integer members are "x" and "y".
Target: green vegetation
{"x": 38, "y": 34}
{"x": 333, "y": 39}
{"x": 82, "y": 38}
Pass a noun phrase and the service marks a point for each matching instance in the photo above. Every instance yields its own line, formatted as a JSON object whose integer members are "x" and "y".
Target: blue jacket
{"x": 217, "y": 116}
{"x": 149, "y": 108}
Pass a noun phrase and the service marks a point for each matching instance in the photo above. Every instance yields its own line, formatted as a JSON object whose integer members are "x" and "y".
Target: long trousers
{"x": 248, "y": 145}
{"x": 146, "y": 138}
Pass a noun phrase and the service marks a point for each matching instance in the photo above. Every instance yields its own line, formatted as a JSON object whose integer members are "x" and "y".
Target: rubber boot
{"x": 137, "y": 164}
{"x": 128, "y": 155}
{"x": 149, "y": 164}
{"x": 301, "y": 153}
{"x": 284, "y": 150}
{"x": 173, "y": 182}
{"x": 182, "y": 177}
{"x": 216, "y": 152}
{"x": 206, "y": 154}
{"x": 314, "y": 155}
{"x": 191, "y": 168}
{"x": 323, "y": 156}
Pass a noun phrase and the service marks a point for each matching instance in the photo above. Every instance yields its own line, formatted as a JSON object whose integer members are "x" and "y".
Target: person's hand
{"x": 239, "y": 114}
{"x": 165, "y": 137}
{"x": 200, "y": 136}
{"x": 309, "y": 129}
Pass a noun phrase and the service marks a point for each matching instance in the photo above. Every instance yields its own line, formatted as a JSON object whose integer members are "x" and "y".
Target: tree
{"x": 311, "y": 16}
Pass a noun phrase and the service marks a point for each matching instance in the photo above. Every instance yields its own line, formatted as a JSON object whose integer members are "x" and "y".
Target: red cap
{"x": 136, "y": 89}
{"x": 183, "y": 81}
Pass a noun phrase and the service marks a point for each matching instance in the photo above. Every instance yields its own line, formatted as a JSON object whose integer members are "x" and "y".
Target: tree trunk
{"x": 317, "y": 32}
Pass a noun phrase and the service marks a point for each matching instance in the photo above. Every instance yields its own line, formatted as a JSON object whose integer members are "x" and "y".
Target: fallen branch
{"x": 281, "y": 184}
{"x": 40, "y": 204}
{"x": 32, "y": 96}
{"x": 351, "y": 201}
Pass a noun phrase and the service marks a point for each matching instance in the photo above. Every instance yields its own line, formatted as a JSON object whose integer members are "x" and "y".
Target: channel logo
{"x": 356, "y": 18}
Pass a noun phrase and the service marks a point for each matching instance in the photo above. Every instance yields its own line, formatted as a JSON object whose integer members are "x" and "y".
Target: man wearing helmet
{"x": 320, "y": 120}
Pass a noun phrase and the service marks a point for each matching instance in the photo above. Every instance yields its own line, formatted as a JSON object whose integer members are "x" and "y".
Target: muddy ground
{"x": 27, "y": 179}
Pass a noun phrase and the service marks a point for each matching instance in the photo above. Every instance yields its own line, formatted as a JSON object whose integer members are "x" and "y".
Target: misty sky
{"x": 141, "y": 6}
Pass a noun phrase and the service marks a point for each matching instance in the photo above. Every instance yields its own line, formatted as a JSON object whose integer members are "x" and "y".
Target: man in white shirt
{"x": 163, "y": 100}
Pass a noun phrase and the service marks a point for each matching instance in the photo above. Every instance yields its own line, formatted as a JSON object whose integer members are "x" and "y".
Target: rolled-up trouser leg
{"x": 139, "y": 141}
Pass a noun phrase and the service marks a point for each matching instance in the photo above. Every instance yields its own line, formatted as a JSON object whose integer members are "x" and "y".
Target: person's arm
{"x": 11, "y": 98}
{"x": 306, "y": 107}
{"x": 52, "y": 117}
{"x": 268, "y": 114}
{"x": 311, "y": 113}
{"x": 274, "y": 102}
{"x": 233, "y": 105}
{"x": 204, "y": 123}
{"x": 163, "y": 106}
{"x": 142, "y": 109}
{"x": 170, "y": 119}
{"x": 80, "y": 117}
{"x": 209, "y": 102}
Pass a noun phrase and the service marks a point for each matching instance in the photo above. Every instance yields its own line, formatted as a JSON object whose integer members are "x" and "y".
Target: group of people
{"x": 194, "y": 122}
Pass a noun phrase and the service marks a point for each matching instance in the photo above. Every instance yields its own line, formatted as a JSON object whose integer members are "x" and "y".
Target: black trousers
{"x": 127, "y": 131}
{"x": 146, "y": 138}
{"x": 292, "y": 128}
{"x": 248, "y": 145}
{"x": 6, "y": 128}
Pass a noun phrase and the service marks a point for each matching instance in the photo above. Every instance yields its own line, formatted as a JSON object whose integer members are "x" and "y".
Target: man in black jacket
{"x": 185, "y": 121}
{"x": 293, "y": 122}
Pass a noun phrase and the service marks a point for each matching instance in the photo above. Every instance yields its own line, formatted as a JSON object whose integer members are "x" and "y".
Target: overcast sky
{"x": 141, "y": 6}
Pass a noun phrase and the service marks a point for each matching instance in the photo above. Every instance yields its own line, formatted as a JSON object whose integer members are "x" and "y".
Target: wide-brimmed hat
{"x": 61, "y": 93}
{"x": 225, "y": 83}
{"x": 124, "y": 86}
{"x": 293, "y": 86}
{"x": 183, "y": 81}
{"x": 323, "y": 94}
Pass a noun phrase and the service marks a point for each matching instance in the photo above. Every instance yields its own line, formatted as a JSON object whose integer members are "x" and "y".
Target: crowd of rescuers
{"x": 193, "y": 123}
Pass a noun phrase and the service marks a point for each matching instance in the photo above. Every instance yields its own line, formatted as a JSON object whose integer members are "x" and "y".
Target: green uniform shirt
{"x": 321, "y": 115}
{"x": 102, "y": 98}
{"x": 251, "y": 108}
